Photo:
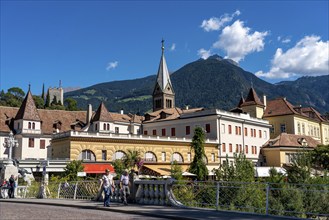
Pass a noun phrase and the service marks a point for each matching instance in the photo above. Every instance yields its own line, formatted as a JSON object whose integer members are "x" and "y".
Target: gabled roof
{"x": 171, "y": 113}
{"x": 252, "y": 99}
{"x": 102, "y": 114}
{"x": 312, "y": 113}
{"x": 291, "y": 140}
{"x": 280, "y": 106}
{"x": 163, "y": 78}
{"x": 28, "y": 110}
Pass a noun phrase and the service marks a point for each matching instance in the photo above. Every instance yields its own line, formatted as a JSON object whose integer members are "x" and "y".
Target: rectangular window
{"x": 298, "y": 128}
{"x": 229, "y": 129}
{"x": 223, "y": 147}
{"x": 173, "y": 132}
{"x": 241, "y": 151}
{"x": 255, "y": 149}
{"x": 145, "y": 132}
{"x": 260, "y": 134}
{"x": 42, "y": 144}
{"x": 208, "y": 128}
{"x": 104, "y": 155}
{"x": 230, "y": 148}
{"x": 236, "y": 148}
{"x": 239, "y": 130}
{"x": 236, "y": 130}
{"x": 303, "y": 128}
{"x": 31, "y": 142}
{"x": 283, "y": 128}
{"x": 188, "y": 130}
{"x": 163, "y": 132}
{"x": 116, "y": 130}
{"x": 223, "y": 128}
{"x": 265, "y": 134}
{"x": 254, "y": 132}
{"x": 212, "y": 157}
{"x": 251, "y": 132}
{"x": 245, "y": 131}
{"x": 163, "y": 155}
{"x": 246, "y": 148}
{"x": 154, "y": 132}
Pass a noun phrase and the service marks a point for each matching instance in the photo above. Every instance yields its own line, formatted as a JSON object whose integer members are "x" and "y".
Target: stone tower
{"x": 163, "y": 93}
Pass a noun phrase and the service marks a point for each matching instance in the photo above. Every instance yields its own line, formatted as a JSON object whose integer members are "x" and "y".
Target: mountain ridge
{"x": 211, "y": 83}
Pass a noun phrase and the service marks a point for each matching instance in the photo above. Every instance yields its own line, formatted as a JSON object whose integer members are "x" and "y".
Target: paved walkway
{"x": 146, "y": 210}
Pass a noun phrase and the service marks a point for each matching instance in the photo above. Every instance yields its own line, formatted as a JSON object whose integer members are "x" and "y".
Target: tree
{"x": 39, "y": 102}
{"x": 119, "y": 167}
{"x": 17, "y": 92}
{"x": 198, "y": 165}
{"x": 176, "y": 171}
{"x": 71, "y": 170}
{"x": 71, "y": 104}
{"x": 132, "y": 159}
{"x": 47, "y": 104}
{"x": 43, "y": 92}
{"x": 320, "y": 157}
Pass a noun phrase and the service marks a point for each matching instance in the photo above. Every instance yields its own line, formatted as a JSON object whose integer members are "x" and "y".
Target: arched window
{"x": 29, "y": 125}
{"x": 150, "y": 157}
{"x": 177, "y": 157}
{"x": 118, "y": 155}
{"x": 33, "y": 125}
{"x": 87, "y": 155}
{"x": 104, "y": 127}
{"x": 108, "y": 127}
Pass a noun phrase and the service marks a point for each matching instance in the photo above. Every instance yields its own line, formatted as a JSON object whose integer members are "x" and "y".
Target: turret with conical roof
{"x": 252, "y": 104}
{"x": 163, "y": 93}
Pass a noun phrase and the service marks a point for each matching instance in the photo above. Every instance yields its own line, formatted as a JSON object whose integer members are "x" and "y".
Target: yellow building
{"x": 282, "y": 150}
{"x": 286, "y": 118}
{"x": 77, "y": 145}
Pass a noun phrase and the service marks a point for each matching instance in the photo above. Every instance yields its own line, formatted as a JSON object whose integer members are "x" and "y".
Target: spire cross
{"x": 162, "y": 42}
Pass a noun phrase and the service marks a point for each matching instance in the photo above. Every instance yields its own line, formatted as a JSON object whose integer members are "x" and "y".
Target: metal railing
{"x": 301, "y": 201}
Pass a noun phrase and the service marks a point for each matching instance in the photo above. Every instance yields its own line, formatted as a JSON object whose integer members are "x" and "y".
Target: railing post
{"x": 75, "y": 190}
{"x": 267, "y": 195}
{"x": 217, "y": 195}
{"x": 58, "y": 191}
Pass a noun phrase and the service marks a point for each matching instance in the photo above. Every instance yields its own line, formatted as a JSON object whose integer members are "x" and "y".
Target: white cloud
{"x": 112, "y": 65}
{"x": 204, "y": 54}
{"x": 310, "y": 56}
{"x": 284, "y": 40}
{"x": 215, "y": 24}
{"x": 173, "y": 47}
{"x": 238, "y": 42}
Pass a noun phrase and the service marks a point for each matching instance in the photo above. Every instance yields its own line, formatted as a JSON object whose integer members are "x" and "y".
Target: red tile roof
{"x": 28, "y": 110}
{"x": 290, "y": 140}
{"x": 102, "y": 114}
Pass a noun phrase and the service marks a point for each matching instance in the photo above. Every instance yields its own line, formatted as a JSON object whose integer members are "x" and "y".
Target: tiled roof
{"x": 6, "y": 114}
{"x": 312, "y": 113}
{"x": 252, "y": 99}
{"x": 290, "y": 140}
{"x": 66, "y": 118}
{"x": 102, "y": 114}
{"x": 28, "y": 110}
{"x": 170, "y": 113}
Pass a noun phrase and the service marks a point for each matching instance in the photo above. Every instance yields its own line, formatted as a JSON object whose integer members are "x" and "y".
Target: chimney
{"x": 264, "y": 100}
{"x": 121, "y": 111}
{"x": 89, "y": 113}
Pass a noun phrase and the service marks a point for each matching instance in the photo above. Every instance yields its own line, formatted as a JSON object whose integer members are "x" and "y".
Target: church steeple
{"x": 163, "y": 93}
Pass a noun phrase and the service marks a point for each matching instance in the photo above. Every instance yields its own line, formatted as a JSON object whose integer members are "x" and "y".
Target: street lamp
{"x": 10, "y": 143}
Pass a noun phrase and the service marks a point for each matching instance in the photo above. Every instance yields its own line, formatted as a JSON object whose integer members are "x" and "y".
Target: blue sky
{"x": 83, "y": 43}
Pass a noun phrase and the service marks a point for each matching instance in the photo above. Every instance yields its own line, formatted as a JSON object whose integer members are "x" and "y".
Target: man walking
{"x": 12, "y": 186}
{"x": 107, "y": 187}
{"x": 124, "y": 186}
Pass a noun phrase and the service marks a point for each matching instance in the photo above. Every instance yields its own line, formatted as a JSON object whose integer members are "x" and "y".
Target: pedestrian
{"x": 107, "y": 187}
{"x": 12, "y": 186}
{"x": 124, "y": 186}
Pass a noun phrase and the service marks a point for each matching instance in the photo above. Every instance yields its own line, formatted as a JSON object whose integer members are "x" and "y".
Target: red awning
{"x": 97, "y": 168}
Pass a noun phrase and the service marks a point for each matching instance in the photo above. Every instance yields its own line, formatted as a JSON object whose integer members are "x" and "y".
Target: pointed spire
{"x": 252, "y": 99}
{"x": 28, "y": 110}
{"x": 102, "y": 114}
{"x": 163, "y": 78}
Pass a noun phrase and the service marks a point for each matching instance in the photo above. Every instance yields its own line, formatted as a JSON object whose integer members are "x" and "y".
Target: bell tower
{"x": 163, "y": 93}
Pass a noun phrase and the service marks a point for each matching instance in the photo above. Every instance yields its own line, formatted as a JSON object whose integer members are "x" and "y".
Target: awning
{"x": 97, "y": 168}
{"x": 161, "y": 170}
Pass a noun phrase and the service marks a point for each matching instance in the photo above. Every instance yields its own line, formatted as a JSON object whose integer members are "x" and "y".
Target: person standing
{"x": 107, "y": 187}
{"x": 12, "y": 186}
{"x": 124, "y": 186}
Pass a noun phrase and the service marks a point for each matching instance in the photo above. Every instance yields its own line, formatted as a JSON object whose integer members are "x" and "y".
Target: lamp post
{"x": 10, "y": 143}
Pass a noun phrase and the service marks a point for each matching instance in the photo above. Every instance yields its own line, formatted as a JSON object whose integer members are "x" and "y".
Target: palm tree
{"x": 132, "y": 158}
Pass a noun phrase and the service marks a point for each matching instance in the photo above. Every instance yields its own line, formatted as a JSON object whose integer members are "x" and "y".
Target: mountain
{"x": 212, "y": 83}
